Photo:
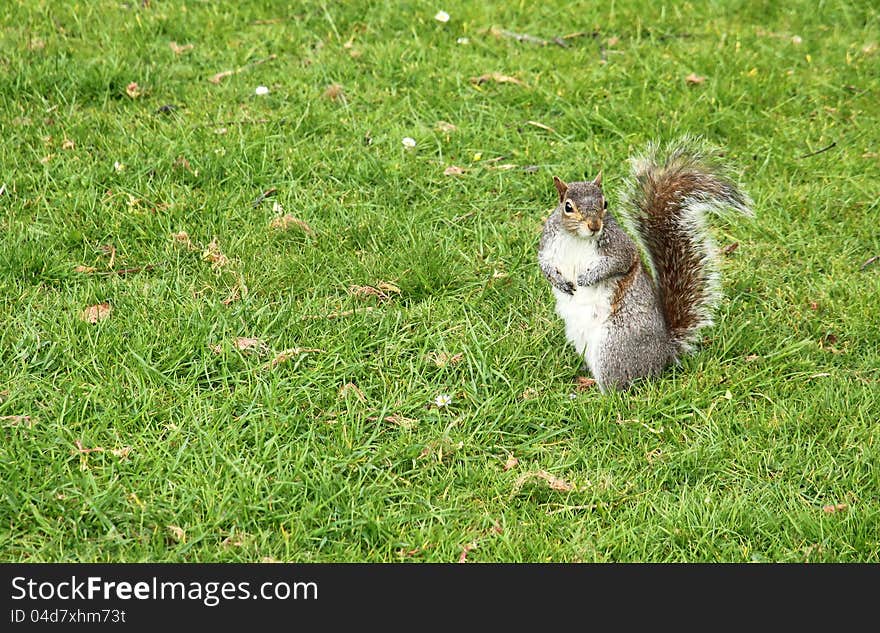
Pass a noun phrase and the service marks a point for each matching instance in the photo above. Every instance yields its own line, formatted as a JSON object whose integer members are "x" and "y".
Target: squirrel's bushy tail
{"x": 672, "y": 189}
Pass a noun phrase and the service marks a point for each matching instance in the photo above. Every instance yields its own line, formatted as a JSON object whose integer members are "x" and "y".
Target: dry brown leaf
{"x": 178, "y": 533}
{"x": 68, "y": 144}
{"x": 182, "y": 163}
{"x": 382, "y": 291}
{"x": 512, "y": 462}
{"x": 464, "y": 552}
{"x": 367, "y": 291}
{"x": 613, "y": 41}
{"x": 397, "y": 419}
{"x": 555, "y": 483}
{"x": 247, "y": 344}
{"x": 15, "y": 420}
{"x": 453, "y": 170}
{"x": 334, "y": 91}
{"x": 442, "y": 359}
{"x": 85, "y": 451}
{"x": 121, "y": 453}
{"x": 84, "y": 269}
{"x": 234, "y": 540}
{"x": 96, "y": 313}
{"x": 727, "y": 250}
{"x": 837, "y": 507}
{"x": 234, "y": 294}
{"x": 529, "y": 393}
{"x": 133, "y": 90}
{"x": 445, "y": 126}
{"x": 181, "y": 237}
{"x": 406, "y": 553}
{"x": 350, "y": 387}
{"x": 694, "y": 79}
{"x": 752, "y": 358}
{"x": 401, "y": 421}
{"x": 653, "y": 456}
{"x": 284, "y": 356}
{"x": 284, "y": 222}
{"x": 387, "y": 286}
{"x": 212, "y": 254}
{"x": 495, "y": 530}
{"x": 582, "y": 383}
{"x": 178, "y": 49}
{"x": 497, "y": 78}
{"x": 814, "y": 306}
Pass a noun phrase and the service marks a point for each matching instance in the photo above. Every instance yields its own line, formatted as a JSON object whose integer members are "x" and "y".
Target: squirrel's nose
{"x": 594, "y": 224}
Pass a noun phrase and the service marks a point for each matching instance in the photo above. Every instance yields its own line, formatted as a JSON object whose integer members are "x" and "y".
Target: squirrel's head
{"x": 582, "y": 206}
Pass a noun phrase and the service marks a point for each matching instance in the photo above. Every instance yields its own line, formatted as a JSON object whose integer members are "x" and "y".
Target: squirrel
{"x": 630, "y": 320}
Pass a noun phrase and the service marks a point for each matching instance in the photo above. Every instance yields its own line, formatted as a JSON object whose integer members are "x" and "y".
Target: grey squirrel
{"x": 628, "y": 320}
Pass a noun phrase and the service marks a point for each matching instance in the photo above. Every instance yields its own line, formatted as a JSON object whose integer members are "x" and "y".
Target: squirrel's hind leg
{"x": 629, "y": 358}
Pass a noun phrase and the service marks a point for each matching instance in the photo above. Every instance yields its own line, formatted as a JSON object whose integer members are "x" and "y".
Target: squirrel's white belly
{"x": 585, "y": 312}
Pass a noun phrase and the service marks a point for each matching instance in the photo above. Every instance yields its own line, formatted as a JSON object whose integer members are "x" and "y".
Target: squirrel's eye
{"x": 568, "y": 207}
{"x": 604, "y": 204}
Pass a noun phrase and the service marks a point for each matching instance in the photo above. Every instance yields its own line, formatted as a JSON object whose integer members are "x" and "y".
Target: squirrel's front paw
{"x": 562, "y": 284}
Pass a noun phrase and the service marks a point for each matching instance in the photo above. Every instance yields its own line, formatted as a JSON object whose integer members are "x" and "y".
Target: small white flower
{"x": 443, "y": 400}
{"x": 261, "y": 90}
{"x": 276, "y": 207}
{"x": 442, "y": 16}
{"x": 118, "y": 166}
{"x": 463, "y": 40}
{"x": 572, "y": 396}
{"x": 408, "y": 142}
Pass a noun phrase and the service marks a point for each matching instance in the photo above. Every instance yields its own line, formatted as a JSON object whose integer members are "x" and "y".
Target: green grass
{"x": 730, "y": 457}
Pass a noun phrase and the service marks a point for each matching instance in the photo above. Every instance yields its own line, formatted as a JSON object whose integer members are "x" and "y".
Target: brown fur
{"x": 663, "y": 195}
{"x": 625, "y": 283}
{"x": 677, "y": 263}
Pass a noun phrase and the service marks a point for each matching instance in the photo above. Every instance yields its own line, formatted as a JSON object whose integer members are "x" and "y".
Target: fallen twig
{"x": 217, "y": 78}
{"x": 572, "y": 36}
{"x": 520, "y": 37}
{"x": 818, "y": 151}
{"x": 269, "y": 192}
{"x": 541, "y": 125}
{"x": 869, "y": 262}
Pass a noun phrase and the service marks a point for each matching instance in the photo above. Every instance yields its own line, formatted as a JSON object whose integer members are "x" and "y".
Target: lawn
{"x": 228, "y": 313}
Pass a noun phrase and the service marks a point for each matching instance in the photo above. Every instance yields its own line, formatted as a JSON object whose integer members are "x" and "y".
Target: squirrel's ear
{"x": 598, "y": 179}
{"x": 561, "y": 187}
